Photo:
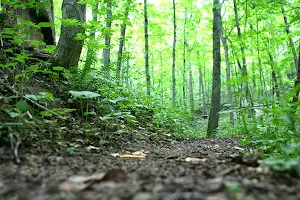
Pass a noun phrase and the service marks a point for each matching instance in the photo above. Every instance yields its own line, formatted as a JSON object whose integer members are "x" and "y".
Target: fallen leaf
{"x": 69, "y": 186}
{"x": 194, "y": 160}
{"x": 132, "y": 156}
{"x": 92, "y": 148}
{"x": 140, "y": 153}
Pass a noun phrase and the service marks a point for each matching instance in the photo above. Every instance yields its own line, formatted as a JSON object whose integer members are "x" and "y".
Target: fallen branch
{"x": 230, "y": 170}
{"x": 35, "y": 103}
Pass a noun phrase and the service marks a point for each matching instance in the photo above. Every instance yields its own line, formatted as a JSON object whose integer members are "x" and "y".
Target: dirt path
{"x": 163, "y": 174}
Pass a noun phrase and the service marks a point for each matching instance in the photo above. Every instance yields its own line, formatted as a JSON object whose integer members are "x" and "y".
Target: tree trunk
{"x": 295, "y": 100}
{"x": 191, "y": 88}
{"x": 275, "y": 88}
{"x": 244, "y": 66}
{"x": 106, "y": 50}
{"x": 91, "y": 52}
{"x": 161, "y": 78}
{"x": 68, "y": 49}
{"x": 148, "y": 81}
{"x": 9, "y": 19}
{"x": 228, "y": 74}
{"x": 174, "y": 57}
{"x": 297, "y": 83}
{"x": 202, "y": 88}
{"x": 213, "y": 121}
{"x": 287, "y": 29}
{"x": 184, "y": 59}
{"x": 122, "y": 41}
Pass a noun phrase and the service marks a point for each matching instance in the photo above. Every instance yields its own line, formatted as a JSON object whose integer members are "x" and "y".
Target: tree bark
{"x": 288, "y": 32}
{"x": 91, "y": 53}
{"x": 122, "y": 41}
{"x": 68, "y": 49}
{"x": 9, "y": 19}
{"x": 106, "y": 50}
{"x": 174, "y": 57}
{"x": 244, "y": 66}
{"x": 228, "y": 75}
{"x": 191, "y": 88}
{"x": 148, "y": 81}
{"x": 213, "y": 121}
{"x": 275, "y": 87}
{"x": 184, "y": 59}
{"x": 297, "y": 83}
{"x": 202, "y": 91}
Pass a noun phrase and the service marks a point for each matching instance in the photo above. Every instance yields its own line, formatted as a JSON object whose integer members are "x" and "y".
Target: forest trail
{"x": 190, "y": 169}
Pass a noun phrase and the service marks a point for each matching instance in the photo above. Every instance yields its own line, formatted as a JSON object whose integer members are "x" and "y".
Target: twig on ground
{"x": 35, "y": 103}
{"x": 229, "y": 170}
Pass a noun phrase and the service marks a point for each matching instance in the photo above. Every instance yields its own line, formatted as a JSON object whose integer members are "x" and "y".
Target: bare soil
{"x": 214, "y": 172}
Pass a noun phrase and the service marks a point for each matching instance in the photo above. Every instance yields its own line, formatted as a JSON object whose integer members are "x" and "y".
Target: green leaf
{"x": 22, "y": 106}
{"x": 8, "y": 50}
{"x": 14, "y": 114}
{"x": 80, "y": 36}
{"x": 83, "y": 94}
{"x": 50, "y": 48}
{"x": 106, "y": 117}
{"x": 128, "y": 23}
{"x": 47, "y": 95}
{"x": 9, "y": 31}
{"x": 13, "y": 64}
{"x": 69, "y": 22}
{"x": 45, "y": 24}
{"x": 36, "y": 43}
{"x": 58, "y": 68}
{"x": 119, "y": 99}
{"x": 33, "y": 68}
{"x": 89, "y": 113}
{"x": 32, "y": 96}
{"x": 293, "y": 148}
{"x": 26, "y": 22}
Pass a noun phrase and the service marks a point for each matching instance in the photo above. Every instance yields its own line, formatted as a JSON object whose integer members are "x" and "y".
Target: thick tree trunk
{"x": 297, "y": 82}
{"x": 295, "y": 101}
{"x": 44, "y": 14}
{"x": 122, "y": 41}
{"x": 174, "y": 57}
{"x": 106, "y": 50}
{"x": 148, "y": 81}
{"x": 213, "y": 121}
{"x": 68, "y": 49}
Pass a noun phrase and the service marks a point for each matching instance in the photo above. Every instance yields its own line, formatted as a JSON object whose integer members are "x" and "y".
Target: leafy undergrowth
{"x": 69, "y": 111}
{"x": 271, "y": 131}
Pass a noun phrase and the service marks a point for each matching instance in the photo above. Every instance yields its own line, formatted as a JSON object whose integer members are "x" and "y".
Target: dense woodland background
{"x": 179, "y": 65}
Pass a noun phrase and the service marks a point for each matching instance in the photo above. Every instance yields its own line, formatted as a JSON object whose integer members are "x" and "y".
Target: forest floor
{"x": 173, "y": 170}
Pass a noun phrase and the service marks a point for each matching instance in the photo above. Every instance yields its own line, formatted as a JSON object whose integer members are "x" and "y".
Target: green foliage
{"x": 83, "y": 94}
